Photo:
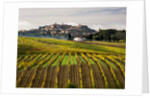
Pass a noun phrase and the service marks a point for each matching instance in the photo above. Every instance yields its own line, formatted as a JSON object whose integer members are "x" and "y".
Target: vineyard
{"x": 53, "y": 63}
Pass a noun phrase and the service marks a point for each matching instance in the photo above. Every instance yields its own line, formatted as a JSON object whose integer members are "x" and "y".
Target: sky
{"x": 94, "y": 18}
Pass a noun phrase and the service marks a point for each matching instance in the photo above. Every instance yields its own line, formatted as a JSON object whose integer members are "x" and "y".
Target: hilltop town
{"x": 59, "y": 30}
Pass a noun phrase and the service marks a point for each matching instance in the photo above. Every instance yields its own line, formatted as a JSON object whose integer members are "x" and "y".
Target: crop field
{"x": 55, "y": 63}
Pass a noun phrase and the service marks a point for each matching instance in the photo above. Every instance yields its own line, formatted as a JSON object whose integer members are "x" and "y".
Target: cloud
{"x": 110, "y": 26}
{"x": 71, "y": 23}
{"x": 25, "y": 25}
{"x": 111, "y": 17}
{"x": 22, "y": 23}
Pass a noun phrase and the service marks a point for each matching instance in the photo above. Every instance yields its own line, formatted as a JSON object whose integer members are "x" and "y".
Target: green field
{"x": 55, "y": 63}
{"x": 28, "y": 45}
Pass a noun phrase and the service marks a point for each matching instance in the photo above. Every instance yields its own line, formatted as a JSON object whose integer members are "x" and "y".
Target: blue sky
{"x": 95, "y": 18}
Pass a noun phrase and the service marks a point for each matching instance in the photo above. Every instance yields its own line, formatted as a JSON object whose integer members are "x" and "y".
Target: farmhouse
{"x": 79, "y": 39}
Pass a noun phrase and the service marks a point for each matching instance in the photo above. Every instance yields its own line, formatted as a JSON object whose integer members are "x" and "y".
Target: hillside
{"x": 31, "y": 45}
{"x": 56, "y": 63}
{"x": 58, "y": 30}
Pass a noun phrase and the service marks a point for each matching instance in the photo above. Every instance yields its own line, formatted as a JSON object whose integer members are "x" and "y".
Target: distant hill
{"x": 58, "y": 30}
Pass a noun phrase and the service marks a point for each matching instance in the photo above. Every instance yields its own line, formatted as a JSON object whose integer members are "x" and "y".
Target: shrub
{"x": 71, "y": 85}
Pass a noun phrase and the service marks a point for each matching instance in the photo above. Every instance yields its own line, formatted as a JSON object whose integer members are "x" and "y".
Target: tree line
{"x": 111, "y": 35}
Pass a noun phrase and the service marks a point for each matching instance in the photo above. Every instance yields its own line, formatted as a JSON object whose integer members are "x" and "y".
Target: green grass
{"x": 46, "y": 64}
{"x": 73, "y": 60}
{"x": 108, "y": 43}
{"x": 30, "y": 45}
{"x": 57, "y": 61}
{"x": 43, "y": 57}
{"x": 112, "y": 65}
{"x": 90, "y": 60}
{"x": 65, "y": 60}
{"x": 81, "y": 59}
{"x": 77, "y": 45}
{"x": 101, "y": 63}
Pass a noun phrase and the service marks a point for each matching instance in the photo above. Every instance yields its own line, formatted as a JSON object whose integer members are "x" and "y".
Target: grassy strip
{"x": 56, "y": 62}
{"x": 51, "y": 57}
{"x": 90, "y": 60}
{"x": 61, "y": 59}
{"x": 65, "y": 60}
{"x": 44, "y": 59}
{"x": 73, "y": 60}
{"x": 69, "y": 60}
{"x": 52, "y": 60}
{"x": 101, "y": 63}
{"x": 81, "y": 59}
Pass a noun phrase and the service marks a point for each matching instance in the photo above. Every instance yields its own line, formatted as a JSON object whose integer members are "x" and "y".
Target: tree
{"x": 69, "y": 36}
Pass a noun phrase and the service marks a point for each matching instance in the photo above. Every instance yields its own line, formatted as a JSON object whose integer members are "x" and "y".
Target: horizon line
{"x": 67, "y": 24}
